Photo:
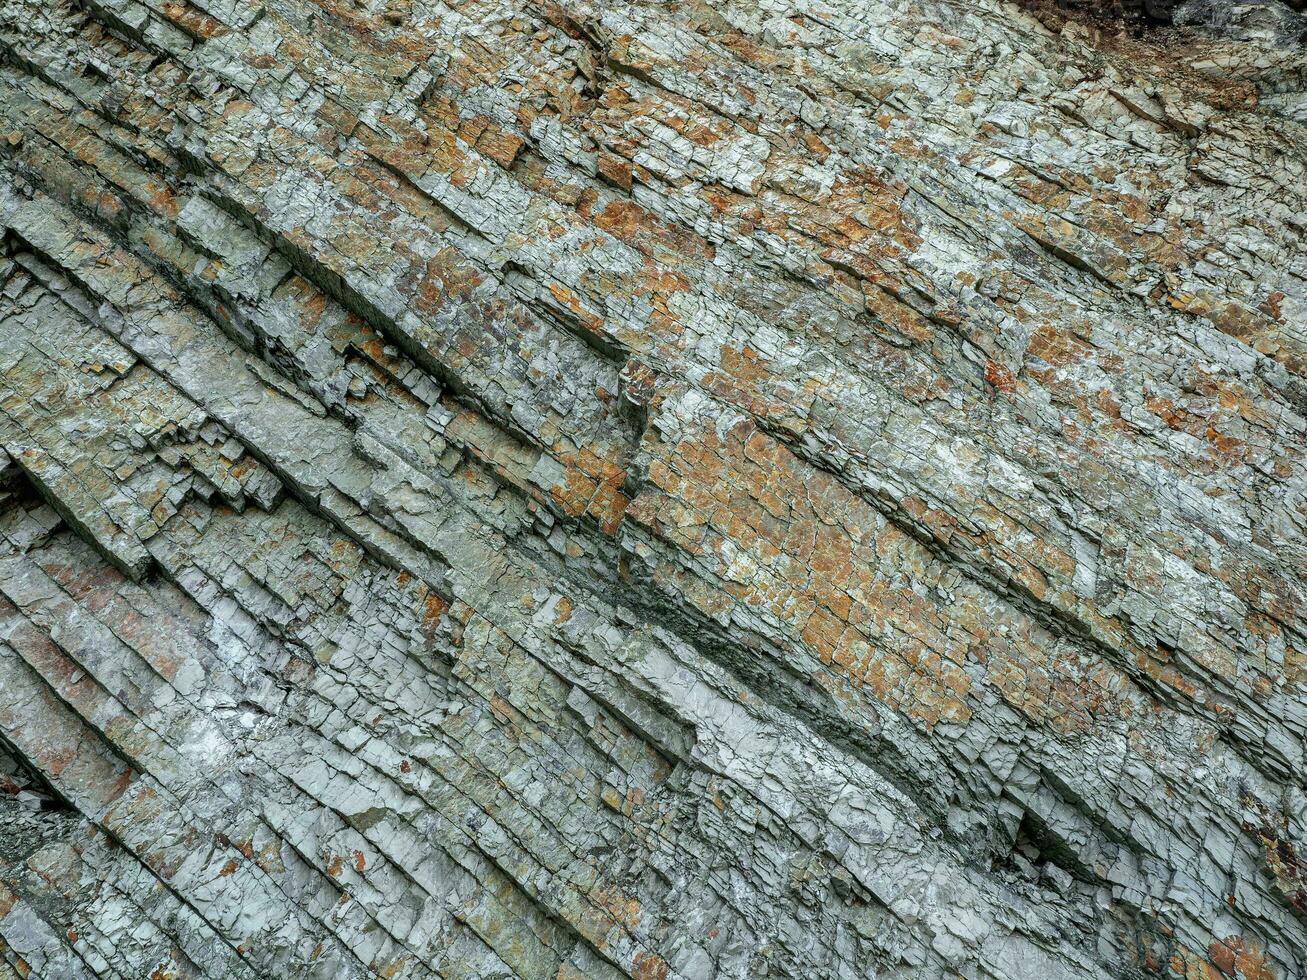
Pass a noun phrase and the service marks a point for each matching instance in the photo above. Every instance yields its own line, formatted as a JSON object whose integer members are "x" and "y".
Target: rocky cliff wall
{"x": 713, "y": 489}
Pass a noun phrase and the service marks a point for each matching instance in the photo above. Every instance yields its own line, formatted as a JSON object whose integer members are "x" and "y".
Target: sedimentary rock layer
{"x": 724, "y": 488}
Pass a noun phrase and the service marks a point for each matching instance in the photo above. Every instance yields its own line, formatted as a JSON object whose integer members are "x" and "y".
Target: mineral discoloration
{"x": 593, "y": 490}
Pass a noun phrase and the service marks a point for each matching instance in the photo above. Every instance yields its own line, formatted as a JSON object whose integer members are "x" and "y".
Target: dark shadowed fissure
{"x": 1146, "y": 16}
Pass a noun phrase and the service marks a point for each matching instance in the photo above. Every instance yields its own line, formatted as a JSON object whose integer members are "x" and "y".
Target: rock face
{"x": 708, "y": 489}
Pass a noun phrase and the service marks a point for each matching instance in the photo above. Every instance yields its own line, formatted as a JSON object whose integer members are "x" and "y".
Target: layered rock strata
{"x": 715, "y": 489}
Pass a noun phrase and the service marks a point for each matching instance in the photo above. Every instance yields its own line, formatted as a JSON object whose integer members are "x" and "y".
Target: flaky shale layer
{"x": 715, "y": 489}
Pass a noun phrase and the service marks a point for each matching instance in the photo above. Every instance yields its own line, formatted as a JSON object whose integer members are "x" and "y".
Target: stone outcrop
{"x": 655, "y": 490}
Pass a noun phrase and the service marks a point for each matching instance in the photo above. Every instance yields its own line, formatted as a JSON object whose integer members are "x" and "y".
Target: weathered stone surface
{"x": 657, "y": 490}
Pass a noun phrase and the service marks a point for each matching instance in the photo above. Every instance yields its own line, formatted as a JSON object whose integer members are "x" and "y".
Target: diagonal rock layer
{"x": 713, "y": 489}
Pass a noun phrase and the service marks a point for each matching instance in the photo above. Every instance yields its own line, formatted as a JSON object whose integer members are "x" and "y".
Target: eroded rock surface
{"x": 555, "y": 490}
